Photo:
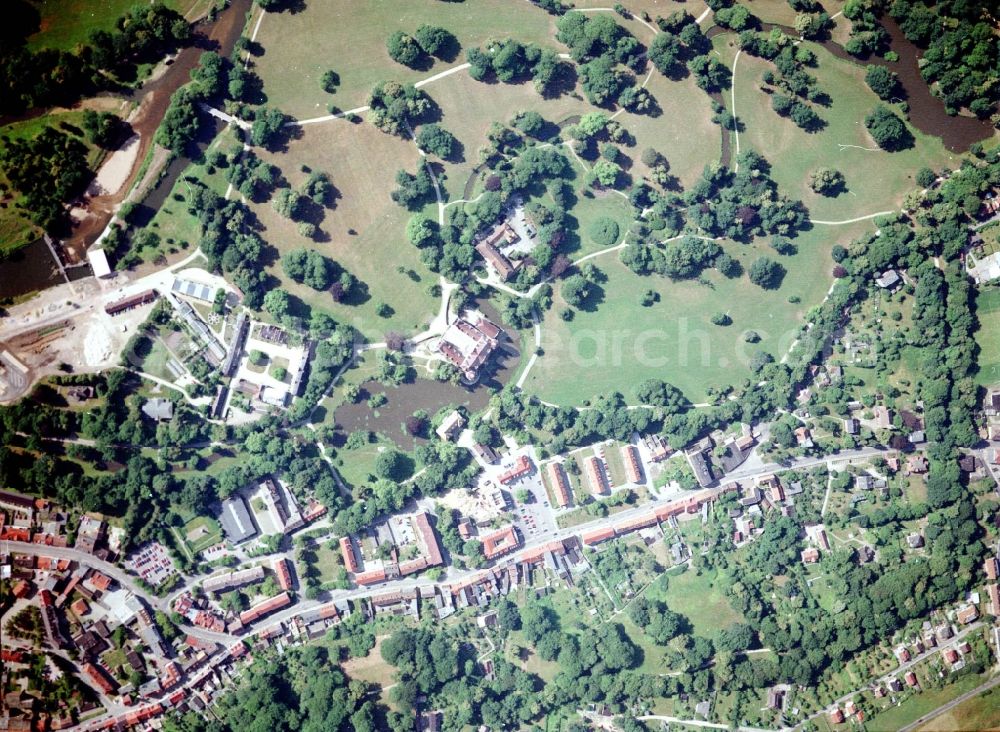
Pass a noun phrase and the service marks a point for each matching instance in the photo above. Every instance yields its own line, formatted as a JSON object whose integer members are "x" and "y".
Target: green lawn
{"x": 327, "y": 560}
{"x": 364, "y": 230}
{"x": 795, "y": 153}
{"x": 155, "y": 362}
{"x": 923, "y": 702}
{"x": 701, "y": 599}
{"x": 981, "y": 712}
{"x": 66, "y": 23}
{"x": 988, "y": 336}
{"x": 684, "y": 133}
{"x": 204, "y": 532}
{"x": 618, "y": 343}
{"x": 350, "y": 38}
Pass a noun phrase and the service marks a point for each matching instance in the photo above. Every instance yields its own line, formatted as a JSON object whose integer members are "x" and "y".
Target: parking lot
{"x": 534, "y": 519}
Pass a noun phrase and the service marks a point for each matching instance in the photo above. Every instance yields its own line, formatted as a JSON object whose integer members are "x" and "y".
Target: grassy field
{"x": 350, "y": 38}
{"x": 988, "y": 336}
{"x": 981, "y": 712}
{"x": 207, "y": 528}
{"x": 371, "y": 667}
{"x": 364, "y": 231}
{"x": 926, "y": 701}
{"x": 619, "y": 343}
{"x": 795, "y": 153}
{"x": 66, "y": 23}
{"x": 684, "y": 133}
{"x": 702, "y": 600}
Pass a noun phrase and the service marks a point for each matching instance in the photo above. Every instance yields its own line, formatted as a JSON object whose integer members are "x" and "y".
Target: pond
{"x": 427, "y": 395}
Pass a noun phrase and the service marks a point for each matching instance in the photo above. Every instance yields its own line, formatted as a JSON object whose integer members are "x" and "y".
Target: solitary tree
{"x": 827, "y": 181}
{"x": 887, "y": 129}
{"x": 434, "y": 138}
{"x": 766, "y": 273}
{"x": 575, "y": 290}
{"x": 882, "y": 81}
{"x": 404, "y": 49}
{"x": 434, "y": 40}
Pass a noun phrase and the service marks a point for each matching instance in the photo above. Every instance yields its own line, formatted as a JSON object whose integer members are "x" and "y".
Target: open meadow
{"x": 981, "y": 712}
{"x": 618, "y": 343}
{"x": 843, "y": 144}
{"x": 363, "y": 230}
{"x": 988, "y": 336}
{"x": 350, "y": 39}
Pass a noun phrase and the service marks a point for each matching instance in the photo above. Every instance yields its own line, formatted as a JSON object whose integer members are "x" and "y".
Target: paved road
{"x": 898, "y": 671}
{"x": 697, "y": 723}
{"x": 952, "y": 704}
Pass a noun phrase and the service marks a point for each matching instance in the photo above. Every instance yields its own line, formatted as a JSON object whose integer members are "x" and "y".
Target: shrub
{"x": 603, "y": 231}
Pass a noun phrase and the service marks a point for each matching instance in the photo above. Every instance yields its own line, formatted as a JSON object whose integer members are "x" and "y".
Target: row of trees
{"x": 428, "y": 40}
{"x": 511, "y": 61}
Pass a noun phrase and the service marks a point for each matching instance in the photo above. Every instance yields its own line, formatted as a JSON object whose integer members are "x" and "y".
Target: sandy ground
{"x": 468, "y": 504}
{"x": 158, "y": 160}
{"x": 116, "y": 169}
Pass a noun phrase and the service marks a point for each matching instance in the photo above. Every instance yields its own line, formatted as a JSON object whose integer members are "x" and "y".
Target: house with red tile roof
{"x": 283, "y": 570}
{"x": 596, "y": 476}
{"x": 349, "y": 554}
{"x": 501, "y": 542}
{"x": 633, "y": 466}
{"x": 560, "y": 483}
{"x": 521, "y": 467}
{"x": 597, "y": 536}
{"x": 265, "y": 608}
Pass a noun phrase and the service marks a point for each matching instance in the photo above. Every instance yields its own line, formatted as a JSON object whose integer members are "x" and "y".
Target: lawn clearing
{"x": 66, "y": 23}
{"x": 328, "y": 560}
{"x": 988, "y": 336}
{"x": 923, "y": 702}
{"x": 350, "y": 38}
{"x": 701, "y": 599}
{"x": 684, "y": 133}
{"x": 200, "y": 533}
{"x": 619, "y": 343}
{"x": 841, "y": 145}
{"x": 981, "y": 712}
{"x": 371, "y": 667}
{"x": 364, "y": 230}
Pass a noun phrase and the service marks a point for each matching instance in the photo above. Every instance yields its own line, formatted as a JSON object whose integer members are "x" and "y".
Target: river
{"x": 927, "y": 112}
{"x": 32, "y": 268}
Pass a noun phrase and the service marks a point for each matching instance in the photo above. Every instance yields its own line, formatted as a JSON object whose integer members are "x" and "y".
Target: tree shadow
{"x": 457, "y": 154}
{"x": 595, "y": 297}
{"x": 448, "y": 51}
{"x": 564, "y": 81}
{"x": 359, "y": 294}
